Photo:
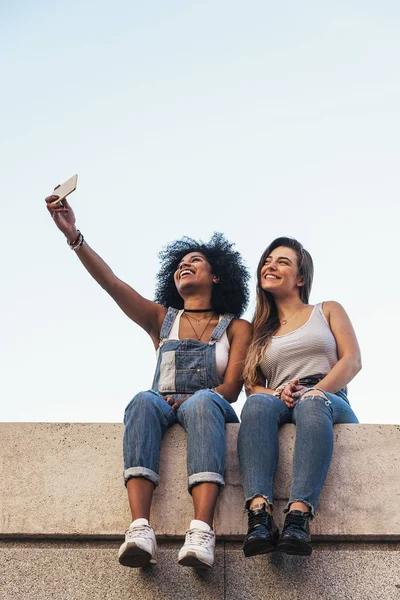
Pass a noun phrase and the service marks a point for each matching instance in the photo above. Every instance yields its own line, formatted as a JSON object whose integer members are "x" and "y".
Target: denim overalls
{"x": 184, "y": 367}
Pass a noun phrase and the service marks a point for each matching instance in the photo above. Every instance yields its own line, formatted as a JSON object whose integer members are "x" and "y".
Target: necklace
{"x": 196, "y": 310}
{"x": 197, "y": 319}
{"x": 198, "y": 337}
{"x": 284, "y": 321}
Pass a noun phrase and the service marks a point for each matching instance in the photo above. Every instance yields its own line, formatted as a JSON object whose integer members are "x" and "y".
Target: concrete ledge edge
{"x": 163, "y": 539}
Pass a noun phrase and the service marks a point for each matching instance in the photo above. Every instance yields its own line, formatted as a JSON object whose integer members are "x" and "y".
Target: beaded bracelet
{"x": 76, "y": 240}
{"x": 77, "y": 244}
{"x": 279, "y": 390}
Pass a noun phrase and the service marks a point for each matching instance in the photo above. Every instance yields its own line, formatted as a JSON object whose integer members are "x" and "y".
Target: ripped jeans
{"x": 258, "y": 443}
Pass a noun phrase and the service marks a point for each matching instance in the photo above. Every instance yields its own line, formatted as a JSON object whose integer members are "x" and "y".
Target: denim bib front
{"x": 186, "y": 366}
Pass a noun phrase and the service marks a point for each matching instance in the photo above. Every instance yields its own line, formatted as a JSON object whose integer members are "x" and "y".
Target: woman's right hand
{"x": 63, "y": 216}
{"x": 288, "y": 394}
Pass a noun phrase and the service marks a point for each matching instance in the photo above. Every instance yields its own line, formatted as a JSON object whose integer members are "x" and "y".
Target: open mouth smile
{"x": 185, "y": 273}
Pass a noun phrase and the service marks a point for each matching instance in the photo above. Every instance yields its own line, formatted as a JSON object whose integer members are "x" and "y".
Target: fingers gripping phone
{"x": 64, "y": 190}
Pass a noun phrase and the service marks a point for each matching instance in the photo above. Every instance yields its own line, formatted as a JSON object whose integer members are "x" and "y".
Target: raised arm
{"x": 147, "y": 314}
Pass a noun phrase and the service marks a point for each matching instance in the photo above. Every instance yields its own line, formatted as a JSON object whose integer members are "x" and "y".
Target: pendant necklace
{"x": 292, "y": 315}
{"x": 198, "y": 337}
{"x": 197, "y": 319}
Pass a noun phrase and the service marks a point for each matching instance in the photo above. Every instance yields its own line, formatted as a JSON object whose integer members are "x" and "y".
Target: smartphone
{"x": 64, "y": 190}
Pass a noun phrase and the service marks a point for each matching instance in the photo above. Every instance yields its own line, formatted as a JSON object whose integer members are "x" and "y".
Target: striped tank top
{"x": 302, "y": 353}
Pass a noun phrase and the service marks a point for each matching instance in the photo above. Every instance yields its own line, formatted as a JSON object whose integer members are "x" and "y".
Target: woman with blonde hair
{"x": 297, "y": 369}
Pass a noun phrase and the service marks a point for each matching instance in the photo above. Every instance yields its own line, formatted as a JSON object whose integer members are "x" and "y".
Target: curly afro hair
{"x": 230, "y": 295}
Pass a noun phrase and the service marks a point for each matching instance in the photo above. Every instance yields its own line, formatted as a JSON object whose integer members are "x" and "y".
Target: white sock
{"x": 138, "y": 522}
{"x": 196, "y": 524}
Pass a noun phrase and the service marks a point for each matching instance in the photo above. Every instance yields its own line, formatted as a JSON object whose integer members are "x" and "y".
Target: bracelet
{"x": 77, "y": 244}
{"x": 279, "y": 390}
{"x": 75, "y": 241}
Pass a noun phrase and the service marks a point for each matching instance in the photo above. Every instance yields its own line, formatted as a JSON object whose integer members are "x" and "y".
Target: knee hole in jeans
{"x": 315, "y": 393}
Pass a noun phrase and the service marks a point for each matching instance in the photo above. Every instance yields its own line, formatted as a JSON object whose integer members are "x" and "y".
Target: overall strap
{"x": 168, "y": 322}
{"x": 221, "y": 327}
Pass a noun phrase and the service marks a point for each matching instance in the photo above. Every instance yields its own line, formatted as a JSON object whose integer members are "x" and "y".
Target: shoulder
{"x": 239, "y": 328}
{"x": 240, "y": 325}
{"x": 331, "y": 308}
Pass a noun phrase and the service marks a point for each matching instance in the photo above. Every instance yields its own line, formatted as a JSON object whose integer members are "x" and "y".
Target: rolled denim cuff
{"x": 141, "y": 472}
{"x": 205, "y": 477}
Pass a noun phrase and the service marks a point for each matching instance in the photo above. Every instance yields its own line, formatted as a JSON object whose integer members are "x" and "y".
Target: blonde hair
{"x": 266, "y": 318}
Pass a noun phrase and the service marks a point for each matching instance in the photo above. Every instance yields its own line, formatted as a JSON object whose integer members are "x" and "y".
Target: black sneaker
{"x": 295, "y": 537}
{"x": 263, "y": 534}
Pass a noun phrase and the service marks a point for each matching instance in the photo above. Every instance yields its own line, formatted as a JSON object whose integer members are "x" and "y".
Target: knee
{"x": 258, "y": 406}
{"x": 142, "y": 402}
{"x": 312, "y": 402}
{"x": 313, "y": 398}
{"x": 201, "y": 403}
{"x": 314, "y": 393}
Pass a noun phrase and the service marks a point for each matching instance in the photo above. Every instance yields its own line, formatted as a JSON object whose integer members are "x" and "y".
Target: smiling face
{"x": 194, "y": 273}
{"x": 279, "y": 275}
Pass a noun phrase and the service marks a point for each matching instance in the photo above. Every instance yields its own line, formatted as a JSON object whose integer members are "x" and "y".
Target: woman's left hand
{"x": 300, "y": 390}
{"x": 174, "y": 403}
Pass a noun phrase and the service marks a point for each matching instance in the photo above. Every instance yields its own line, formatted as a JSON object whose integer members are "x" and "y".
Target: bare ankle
{"x": 299, "y": 506}
{"x": 258, "y": 503}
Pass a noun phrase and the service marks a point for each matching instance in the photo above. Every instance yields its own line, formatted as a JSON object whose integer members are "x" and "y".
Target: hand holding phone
{"x": 61, "y": 212}
{"x": 62, "y": 191}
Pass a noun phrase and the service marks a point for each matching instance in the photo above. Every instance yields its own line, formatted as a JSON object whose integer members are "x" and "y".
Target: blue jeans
{"x": 258, "y": 444}
{"x": 203, "y": 416}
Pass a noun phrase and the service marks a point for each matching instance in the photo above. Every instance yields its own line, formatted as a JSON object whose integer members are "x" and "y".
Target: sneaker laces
{"x": 139, "y": 530}
{"x": 198, "y": 537}
{"x": 296, "y": 521}
{"x": 257, "y": 518}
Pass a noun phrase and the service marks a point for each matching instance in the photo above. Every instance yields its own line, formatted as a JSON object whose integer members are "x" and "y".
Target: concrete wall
{"x": 90, "y": 571}
{"x": 63, "y": 510}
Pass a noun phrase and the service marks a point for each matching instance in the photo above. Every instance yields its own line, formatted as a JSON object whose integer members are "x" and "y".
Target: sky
{"x": 256, "y": 118}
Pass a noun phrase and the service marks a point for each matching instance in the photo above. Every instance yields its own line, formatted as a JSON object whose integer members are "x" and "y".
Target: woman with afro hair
{"x": 201, "y": 345}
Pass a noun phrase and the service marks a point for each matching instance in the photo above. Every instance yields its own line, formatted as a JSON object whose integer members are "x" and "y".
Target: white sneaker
{"x": 140, "y": 545}
{"x": 198, "y": 549}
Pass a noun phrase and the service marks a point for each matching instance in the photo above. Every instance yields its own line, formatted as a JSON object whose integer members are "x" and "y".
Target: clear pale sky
{"x": 253, "y": 118}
